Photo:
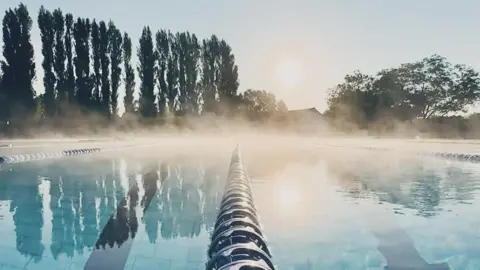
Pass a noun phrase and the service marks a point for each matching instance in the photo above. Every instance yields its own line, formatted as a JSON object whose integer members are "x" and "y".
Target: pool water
{"x": 77, "y": 212}
{"x": 335, "y": 211}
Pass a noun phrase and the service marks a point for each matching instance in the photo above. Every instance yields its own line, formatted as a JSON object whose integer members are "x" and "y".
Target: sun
{"x": 289, "y": 72}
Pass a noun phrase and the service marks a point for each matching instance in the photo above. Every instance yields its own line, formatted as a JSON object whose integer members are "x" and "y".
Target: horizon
{"x": 316, "y": 43}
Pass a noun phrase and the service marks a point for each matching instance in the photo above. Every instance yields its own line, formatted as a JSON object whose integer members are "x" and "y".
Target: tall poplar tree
{"x": 105, "y": 64}
{"x": 59, "y": 56}
{"x": 97, "y": 83}
{"x": 115, "y": 50}
{"x": 129, "y": 79}
{"x": 81, "y": 34}
{"x": 172, "y": 72}
{"x": 45, "y": 23}
{"x": 162, "y": 53}
{"x": 69, "y": 76}
{"x": 228, "y": 77}
{"x": 146, "y": 72}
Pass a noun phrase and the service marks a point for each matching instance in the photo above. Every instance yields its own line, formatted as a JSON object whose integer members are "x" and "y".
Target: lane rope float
{"x": 17, "y": 158}
{"x": 474, "y": 158}
{"x": 237, "y": 241}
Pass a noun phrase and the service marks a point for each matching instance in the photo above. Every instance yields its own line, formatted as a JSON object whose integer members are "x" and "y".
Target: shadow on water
{"x": 96, "y": 207}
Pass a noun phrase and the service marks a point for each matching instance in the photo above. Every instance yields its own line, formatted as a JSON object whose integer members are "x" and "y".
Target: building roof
{"x": 305, "y": 113}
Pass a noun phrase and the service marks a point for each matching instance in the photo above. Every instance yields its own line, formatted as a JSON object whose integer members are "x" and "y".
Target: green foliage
{"x": 47, "y": 33}
{"x": 81, "y": 36}
{"x": 105, "y": 65}
{"x": 146, "y": 72}
{"x": 210, "y": 48}
{"x": 172, "y": 72}
{"x": 59, "y": 55}
{"x": 193, "y": 76}
{"x": 428, "y": 88}
{"x": 192, "y": 72}
{"x": 116, "y": 57}
{"x": 97, "y": 75}
{"x": 259, "y": 101}
{"x": 17, "y": 66}
{"x": 70, "y": 77}
{"x": 129, "y": 79}
{"x": 162, "y": 51}
{"x": 227, "y": 80}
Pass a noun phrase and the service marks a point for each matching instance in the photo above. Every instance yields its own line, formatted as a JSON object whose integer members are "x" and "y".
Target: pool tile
{"x": 142, "y": 263}
{"x": 15, "y": 259}
{"x": 50, "y": 263}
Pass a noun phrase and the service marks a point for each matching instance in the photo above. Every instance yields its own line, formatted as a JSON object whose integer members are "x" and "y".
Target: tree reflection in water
{"x": 90, "y": 209}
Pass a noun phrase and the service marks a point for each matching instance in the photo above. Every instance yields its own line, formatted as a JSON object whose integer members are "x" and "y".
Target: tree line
{"x": 422, "y": 91}
{"x": 85, "y": 62}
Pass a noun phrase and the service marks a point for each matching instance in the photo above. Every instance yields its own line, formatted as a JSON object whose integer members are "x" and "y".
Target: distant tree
{"x": 192, "y": 76}
{"x": 25, "y": 61}
{"x": 259, "y": 101}
{"x": 281, "y": 106}
{"x": 162, "y": 51}
{"x": 436, "y": 87}
{"x": 181, "y": 41}
{"x": 60, "y": 56}
{"x": 355, "y": 99}
{"x": 228, "y": 77}
{"x": 105, "y": 65}
{"x": 115, "y": 50}
{"x": 192, "y": 71}
{"x": 3, "y": 101}
{"x": 70, "y": 77}
{"x": 40, "y": 110}
{"x": 17, "y": 66}
{"x": 188, "y": 51}
{"x": 172, "y": 72}
{"x": 424, "y": 89}
{"x": 146, "y": 72}
{"x": 97, "y": 75}
{"x": 129, "y": 79}
{"x": 210, "y": 48}
{"x": 46, "y": 24}
{"x": 81, "y": 34}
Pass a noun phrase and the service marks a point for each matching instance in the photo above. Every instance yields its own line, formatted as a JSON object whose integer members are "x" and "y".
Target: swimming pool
{"x": 318, "y": 211}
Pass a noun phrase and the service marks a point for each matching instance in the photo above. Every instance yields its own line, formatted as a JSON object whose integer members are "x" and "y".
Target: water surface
{"x": 319, "y": 210}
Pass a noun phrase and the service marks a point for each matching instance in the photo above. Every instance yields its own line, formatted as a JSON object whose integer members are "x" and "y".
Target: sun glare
{"x": 287, "y": 196}
{"x": 289, "y": 72}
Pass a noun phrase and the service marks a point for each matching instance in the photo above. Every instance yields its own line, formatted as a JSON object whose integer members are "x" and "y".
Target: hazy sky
{"x": 328, "y": 38}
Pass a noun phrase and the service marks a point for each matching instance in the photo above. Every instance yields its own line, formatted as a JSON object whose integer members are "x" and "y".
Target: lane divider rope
{"x": 237, "y": 241}
{"x": 445, "y": 155}
{"x": 17, "y": 158}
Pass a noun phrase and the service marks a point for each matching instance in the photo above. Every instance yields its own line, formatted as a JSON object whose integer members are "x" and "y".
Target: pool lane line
{"x": 397, "y": 247}
{"x": 114, "y": 243}
{"x": 399, "y": 250}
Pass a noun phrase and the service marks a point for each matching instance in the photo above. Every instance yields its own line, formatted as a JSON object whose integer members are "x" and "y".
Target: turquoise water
{"x": 334, "y": 211}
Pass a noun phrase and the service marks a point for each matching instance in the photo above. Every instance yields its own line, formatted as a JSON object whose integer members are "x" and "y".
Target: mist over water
{"x": 314, "y": 201}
